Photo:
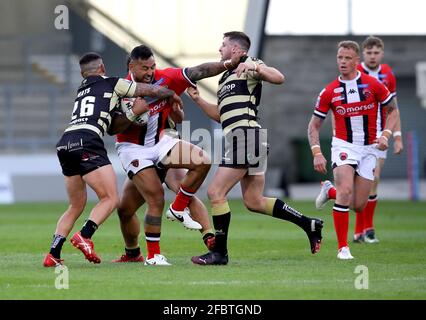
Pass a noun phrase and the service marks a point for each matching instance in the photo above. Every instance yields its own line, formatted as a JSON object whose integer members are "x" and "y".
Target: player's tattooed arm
{"x": 211, "y": 69}
{"x": 313, "y": 130}
{"x": 150, "y": 90}
{"x": 205, "y": 70}
{"x": 392, "y": 114}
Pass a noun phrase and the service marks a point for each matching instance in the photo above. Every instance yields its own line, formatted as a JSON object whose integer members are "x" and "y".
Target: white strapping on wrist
{"x": 131, "y": 115}
{"x": 397, "y": 134}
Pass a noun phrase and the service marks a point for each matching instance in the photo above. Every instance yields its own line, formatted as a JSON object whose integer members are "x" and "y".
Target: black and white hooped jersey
{"x": 97, "y": 97}
{"x": 239, "y": 98}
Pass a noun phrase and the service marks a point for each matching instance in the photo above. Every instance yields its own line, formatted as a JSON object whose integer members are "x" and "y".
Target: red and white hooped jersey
{"x": 172, "y": 78}
{"x": 355, "y": 106}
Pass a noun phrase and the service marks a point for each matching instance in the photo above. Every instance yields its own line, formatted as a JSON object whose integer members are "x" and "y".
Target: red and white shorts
{"x": 135, "y": 157}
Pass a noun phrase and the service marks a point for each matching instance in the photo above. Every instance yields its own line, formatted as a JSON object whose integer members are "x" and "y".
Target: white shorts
{"x": 363, "y": 158}
{"x": 135, "y": 158}
{"x": 381, "y": 154}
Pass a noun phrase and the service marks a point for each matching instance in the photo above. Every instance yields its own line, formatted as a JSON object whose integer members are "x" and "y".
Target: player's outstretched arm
{"x": 150, "y": 90}
{"x": 261, "y": 71}
{"x": 211, "y": 69}
{"x": 210, "y": 109}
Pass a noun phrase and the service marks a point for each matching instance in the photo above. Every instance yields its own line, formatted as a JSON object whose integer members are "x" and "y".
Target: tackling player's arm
{"x": 211, "y": 69}
{"x": 261, "y": 71}
{"x": 121, "y": 121}
{"x": 125, "y": 88}
{"x": 210, "y": 109}
{"x": 320, "y": 163}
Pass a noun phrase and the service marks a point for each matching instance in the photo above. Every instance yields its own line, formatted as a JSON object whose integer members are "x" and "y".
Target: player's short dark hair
{"x": 349, "y": 44}
{"x": 128, "y": 62}
{"x": 240, "y": 37}
{"x": 142, "y": 52}
{"x": 372, "y": 41}
{"x": 89, "y": 57}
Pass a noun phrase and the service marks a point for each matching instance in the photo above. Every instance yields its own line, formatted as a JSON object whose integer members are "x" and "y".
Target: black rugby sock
{"x": 88, "y": 229}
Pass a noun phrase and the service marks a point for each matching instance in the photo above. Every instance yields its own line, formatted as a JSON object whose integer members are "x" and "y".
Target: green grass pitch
{"x": 269, "y": 259}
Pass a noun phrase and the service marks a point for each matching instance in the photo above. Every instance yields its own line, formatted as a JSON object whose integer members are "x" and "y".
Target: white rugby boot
{"x": 184, "y": 217}
{"x": 322, "y": 197}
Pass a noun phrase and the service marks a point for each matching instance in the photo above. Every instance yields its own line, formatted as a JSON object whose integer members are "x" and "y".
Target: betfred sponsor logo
{"x": 354, "y": 110}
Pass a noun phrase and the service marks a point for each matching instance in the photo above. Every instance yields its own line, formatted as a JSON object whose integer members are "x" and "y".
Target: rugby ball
{"x": 127, "y": 104}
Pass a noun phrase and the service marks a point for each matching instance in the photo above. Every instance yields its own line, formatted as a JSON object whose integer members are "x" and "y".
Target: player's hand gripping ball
{"x": 126, "y": 107}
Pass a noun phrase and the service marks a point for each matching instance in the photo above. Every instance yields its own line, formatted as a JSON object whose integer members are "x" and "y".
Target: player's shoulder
{"x": 360, "y": 67}
{"x": 113, "y": 80}
{"x": 254, "y": 59}
{"x": 366, "y": 78}
{"x": 332, "y": 87}
{"x": 386, "y": 68}
{"x": 167, "y": 72}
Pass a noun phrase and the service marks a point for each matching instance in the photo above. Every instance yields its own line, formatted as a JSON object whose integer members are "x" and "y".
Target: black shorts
{"x": 80, "y": 152}
{"x": 246, "y": 148}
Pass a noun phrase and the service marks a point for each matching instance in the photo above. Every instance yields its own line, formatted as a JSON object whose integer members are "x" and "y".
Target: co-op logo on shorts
{"x": 342, "y": 111}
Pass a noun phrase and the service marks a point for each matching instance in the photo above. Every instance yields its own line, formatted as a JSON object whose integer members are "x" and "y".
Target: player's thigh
{"x": 76, "y": 190}
{"x": 149, "y": 185}
{"x": 131, "y": 199}
{"x": 186, "y": 155}
{"x": 224, "y": 180}
{"x": 103, "y": 181}
{"x": 252, "y": 188}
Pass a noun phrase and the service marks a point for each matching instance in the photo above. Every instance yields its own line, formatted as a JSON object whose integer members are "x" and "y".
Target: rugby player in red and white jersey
{"x": 143, "y": 150}
{"x": 82, "y": 155}
{"x": 373, "y": 52}
{"x": 354, "y": 99}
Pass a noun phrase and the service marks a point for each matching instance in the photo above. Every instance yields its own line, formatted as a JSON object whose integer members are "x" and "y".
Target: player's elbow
{"x": 276, "y": 77}
{"x": 279, "y": 79}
